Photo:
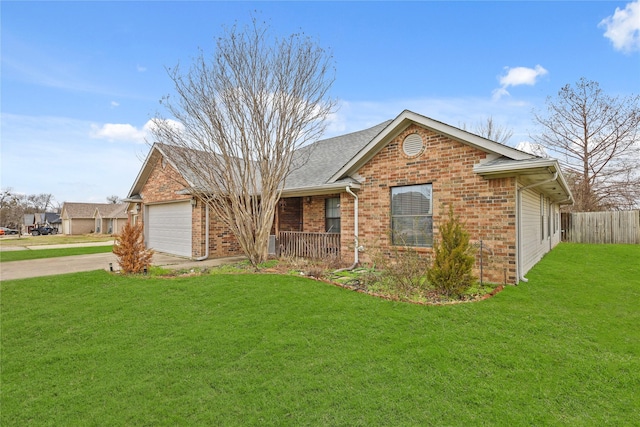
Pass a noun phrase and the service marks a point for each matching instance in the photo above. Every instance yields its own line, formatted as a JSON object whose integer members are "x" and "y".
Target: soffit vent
{"x": 412, "y": 145}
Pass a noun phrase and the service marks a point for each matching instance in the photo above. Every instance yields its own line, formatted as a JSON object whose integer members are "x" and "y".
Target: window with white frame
{"x": 412, "y": 215}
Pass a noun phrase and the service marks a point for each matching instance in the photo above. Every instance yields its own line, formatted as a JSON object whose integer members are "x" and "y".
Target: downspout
{"x": 519, "y": 207}
{"x": 206, "y": 251}
{"x": 355, "y": 231}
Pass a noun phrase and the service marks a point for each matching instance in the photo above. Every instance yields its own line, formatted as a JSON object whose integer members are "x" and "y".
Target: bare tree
{"x": 11, "y": 208}
{"x": 238, "y": 120}
{"x": 488, "y": 129}
{"x": 113, "y": 199}
{"x": 596, "y": 136}
{"x": 41, "y": 202}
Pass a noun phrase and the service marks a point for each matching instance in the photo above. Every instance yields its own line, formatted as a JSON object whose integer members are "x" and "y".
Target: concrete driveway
{"x": 73, "y": 264}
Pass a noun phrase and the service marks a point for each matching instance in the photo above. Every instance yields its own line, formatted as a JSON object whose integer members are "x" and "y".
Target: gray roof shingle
{"x": 326, "y": 157}
{"x": 87, "y": 210}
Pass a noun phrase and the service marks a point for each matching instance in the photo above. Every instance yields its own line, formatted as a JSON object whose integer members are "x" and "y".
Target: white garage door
{"x": 169, "y": 228}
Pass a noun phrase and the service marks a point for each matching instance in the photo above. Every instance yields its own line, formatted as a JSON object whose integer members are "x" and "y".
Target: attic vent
{"x": 412, "y": 145}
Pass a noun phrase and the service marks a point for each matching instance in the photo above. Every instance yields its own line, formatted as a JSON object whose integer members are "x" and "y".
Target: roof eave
{"x": 318, "y": 190}
{"x": 527, "y": 168}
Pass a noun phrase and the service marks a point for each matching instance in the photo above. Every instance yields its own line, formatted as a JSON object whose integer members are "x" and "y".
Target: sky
{"x": 80, "y": 81}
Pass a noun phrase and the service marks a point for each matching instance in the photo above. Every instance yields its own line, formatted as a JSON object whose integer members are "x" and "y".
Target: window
{"x": 332, "y": 215}
{"x": 411, "y": 215}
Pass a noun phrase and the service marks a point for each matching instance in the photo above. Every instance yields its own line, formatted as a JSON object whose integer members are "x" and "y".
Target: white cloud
{"x": 532, "y": 148}
{"x": 140, "y": 68}
{"x": 119, "y": 132}
{"x": 153, "y": 123}
{"x": 115, "y": 104}
{"x": 623, "y": 28}
{"x": 126, "y": 132}
{"x": 518, "y": 76}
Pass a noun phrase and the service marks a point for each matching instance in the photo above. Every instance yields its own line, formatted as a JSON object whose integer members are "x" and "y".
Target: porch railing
{"x": 308, "y": 245}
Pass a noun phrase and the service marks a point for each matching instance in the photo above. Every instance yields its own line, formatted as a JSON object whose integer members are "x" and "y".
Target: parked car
{"x": 6, "y": 230}
{"x": 44, "y": 230}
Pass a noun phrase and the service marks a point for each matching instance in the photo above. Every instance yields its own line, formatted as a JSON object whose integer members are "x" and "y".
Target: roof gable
{"x": 405, "y": 119}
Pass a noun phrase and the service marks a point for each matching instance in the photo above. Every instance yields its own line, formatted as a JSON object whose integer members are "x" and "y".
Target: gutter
{"x": 206, "y": 251}
{"x": 355, "y": 231}
{"x": 519, "y": 232}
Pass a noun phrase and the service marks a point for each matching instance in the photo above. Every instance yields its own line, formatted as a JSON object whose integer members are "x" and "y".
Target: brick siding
{"x": 487, "y": 207}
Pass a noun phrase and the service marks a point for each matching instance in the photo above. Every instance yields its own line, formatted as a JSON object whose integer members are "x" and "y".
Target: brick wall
{"x": 486, "y": 206}
{"x": 163, "y": 183}
{"x": 289, "y": 214}
{"x": 222, "y": 242}
{"x": 313, "y": 220}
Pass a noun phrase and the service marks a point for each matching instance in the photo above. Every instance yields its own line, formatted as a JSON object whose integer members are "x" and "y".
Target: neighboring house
{"x": 31, "y": 221}
{"x": 84, "y": 218}
{"x": 385, "y": 187}
{"x": 110, "y": 218}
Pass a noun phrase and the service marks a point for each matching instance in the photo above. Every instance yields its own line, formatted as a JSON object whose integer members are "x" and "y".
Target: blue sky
{"x": 80, "y": 80}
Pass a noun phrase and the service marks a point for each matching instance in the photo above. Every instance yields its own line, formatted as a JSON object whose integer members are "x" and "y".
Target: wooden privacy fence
{"x": 308, "y": 245}
{"x": 601, "y": 227}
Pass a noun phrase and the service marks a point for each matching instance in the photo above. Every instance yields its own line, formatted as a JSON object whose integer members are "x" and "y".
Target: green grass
{"x": 101, "y": 349}
{"x": 22, "y": 255}
{"x": 52, "y": 239}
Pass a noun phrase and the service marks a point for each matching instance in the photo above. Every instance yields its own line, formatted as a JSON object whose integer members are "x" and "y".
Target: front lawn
{"x": 103, "y": 349}
{"x": 58, "y": 239}
{"x": 22, "y": 255}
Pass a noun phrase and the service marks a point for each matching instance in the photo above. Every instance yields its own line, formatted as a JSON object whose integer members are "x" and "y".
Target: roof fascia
{"x": 407, "y": 118}
{"x": 513, "y": 168}
{"x": 331, "y": 188}
{"x": 525, "y": 168}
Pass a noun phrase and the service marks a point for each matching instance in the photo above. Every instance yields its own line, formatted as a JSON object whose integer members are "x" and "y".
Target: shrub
{"x": 403, "y": 271}
{"x": 133, "y": 256}
{"x": 452, "y": 270}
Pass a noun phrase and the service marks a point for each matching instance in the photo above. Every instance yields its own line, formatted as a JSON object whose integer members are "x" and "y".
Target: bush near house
{"x": 129, "y": 247}
{"x": 452, "y": 270}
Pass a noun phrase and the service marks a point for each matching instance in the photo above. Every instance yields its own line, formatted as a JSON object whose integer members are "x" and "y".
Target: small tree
{"x": 133, "y": 256}
{"x": 452, "y": 270}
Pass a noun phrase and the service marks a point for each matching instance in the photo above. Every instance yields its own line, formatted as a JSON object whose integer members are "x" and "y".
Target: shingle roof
{"x": 113, "y": 210}
{"x": 87, "y": 210}
{"x": 318, "y": 162}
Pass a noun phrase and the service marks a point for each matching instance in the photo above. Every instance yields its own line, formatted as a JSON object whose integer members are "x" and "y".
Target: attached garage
{"x": 168, "y": 228}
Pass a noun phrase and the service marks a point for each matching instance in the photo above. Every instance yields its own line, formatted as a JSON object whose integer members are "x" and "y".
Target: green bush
{"x": 452, "y": 269}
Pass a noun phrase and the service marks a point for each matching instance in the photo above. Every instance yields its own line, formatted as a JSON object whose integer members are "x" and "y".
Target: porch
{"x": 300, "y": 244}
